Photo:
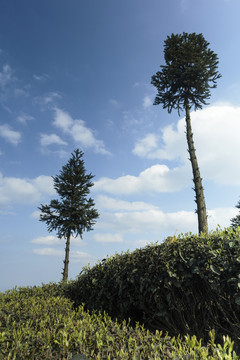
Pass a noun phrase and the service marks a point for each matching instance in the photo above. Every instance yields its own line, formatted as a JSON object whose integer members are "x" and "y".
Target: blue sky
{"x": 77, "y": 74}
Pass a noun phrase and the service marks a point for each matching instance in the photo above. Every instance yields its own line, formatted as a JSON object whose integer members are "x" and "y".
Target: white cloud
{"x": 113, "y": 102}
{"x": 48, "y": 100}
{"x": 108, "y": 238}
{"x": 78, "y": 131}
{"x": 216, "y": 132}
{"x": 123, "y": 185}
{"x": 47, "y": 240}
{"x": 157, "y": 178}
{"x": 47, "y": 140}
{"x": 41, "y": 78}
{"x": 24, "y": 118}
{"x": 221, "y": 216}
{"x": 17, "y": 190}
{"x": 62, "y": 120}
{"x": 141, "y": 243}
{"x": 150, "y": 222}
{"x": 216, "y": 136}
{"x": 84, "y": 135}
{"x": 6, "y": 75}
{"x": 173, "y": 144}
{"x": 48, "y": 252}
{"x": 44, "y": 184}
{"x": 11, "y": 136}
{"x": 75, "y": 256}
{"x": 20, "y": 92}
{"x": 147, "y": 102}
{"x": 51, "y": 97}
{"x": 54, "y": 240}
{"x": 136, "y": 84}
{"x": 109, "y": 203}
{"x": 36, "y": 215}
{"x": 80, "y": 255}
{"x": 146, "y": 145}
{"x": 25, "y": 191}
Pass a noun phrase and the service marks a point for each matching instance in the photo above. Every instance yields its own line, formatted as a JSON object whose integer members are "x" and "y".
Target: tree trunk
{"x": 66, "y": 261}
{"x": 198, "y": 188}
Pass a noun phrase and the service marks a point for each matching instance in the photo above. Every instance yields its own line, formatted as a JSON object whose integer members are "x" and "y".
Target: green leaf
{"x": 215, "y": 270}
{"x": 191, "y": 262}
{"x": 232, "y": 280}
{"x": 181, "y": 256}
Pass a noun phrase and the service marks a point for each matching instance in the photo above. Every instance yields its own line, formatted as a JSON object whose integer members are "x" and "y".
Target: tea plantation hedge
{"x": 186, "y": 285}
{"x": 38, "y": 326}
{"x": 186, "y": 292}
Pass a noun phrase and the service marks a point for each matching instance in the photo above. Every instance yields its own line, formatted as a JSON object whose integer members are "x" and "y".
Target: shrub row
{"x": 186, "y": 285}
{"x": 34, "y": 325}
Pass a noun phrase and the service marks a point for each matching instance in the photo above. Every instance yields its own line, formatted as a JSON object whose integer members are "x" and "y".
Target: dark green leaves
{"x": 215, "y": 270}
{"x": 189, "y": 73}
{"x": 237, "y": 300}
{"x": 235, "y": 222}
{"x": 35, "y": 324}
{"x": 73, "y": 213}
{"x": 189, "y": 285}
{"x": 185, "y": 294}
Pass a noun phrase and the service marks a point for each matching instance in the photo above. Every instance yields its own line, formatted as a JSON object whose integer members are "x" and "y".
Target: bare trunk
{"x": 198, "y": 188}
{"x": 66, "y": 261}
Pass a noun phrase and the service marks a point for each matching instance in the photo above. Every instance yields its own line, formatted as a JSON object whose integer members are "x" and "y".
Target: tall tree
{"x": 184, "y": 83}
{"x": 236, "y": 220}
{"x": 73, "y": 213}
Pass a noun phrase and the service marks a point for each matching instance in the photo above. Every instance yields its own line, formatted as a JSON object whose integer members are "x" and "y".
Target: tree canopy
{"x": 236, "y": 220}
{"x": 185, "y": 82}
{"x": 189, "y": 74}
{"x": 73, "y": 213}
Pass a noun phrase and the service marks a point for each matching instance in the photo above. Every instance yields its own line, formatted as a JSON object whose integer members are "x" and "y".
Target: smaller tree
{"x": 236, "y": 220}
{"x": 73, "y": 213}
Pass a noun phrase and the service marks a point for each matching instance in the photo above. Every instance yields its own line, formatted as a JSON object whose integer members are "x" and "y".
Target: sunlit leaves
{"x": 49, "y": 328}
{"x": 188, "y": 284}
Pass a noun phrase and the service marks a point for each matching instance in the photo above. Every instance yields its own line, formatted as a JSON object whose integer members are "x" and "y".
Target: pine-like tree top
{"x": 74, "y": 212}
{"x": 189, "y": 74}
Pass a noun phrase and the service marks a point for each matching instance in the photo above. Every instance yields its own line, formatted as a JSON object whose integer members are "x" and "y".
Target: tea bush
{"x": 39, "y": 327}
{"x": 187, "y": 285}
{"x": 44, "y": 291}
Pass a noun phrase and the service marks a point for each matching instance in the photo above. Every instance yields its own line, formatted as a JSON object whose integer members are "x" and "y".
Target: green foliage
{"x": 186, "y": 285}
{"x": 74, "y": 213}
{"x": 189, "y": 73}
{"x": 41, "y": 292}
{"x": 185, "y": 82}
{"x": 236, "y": 220}
{"x": 37, "y": 325}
